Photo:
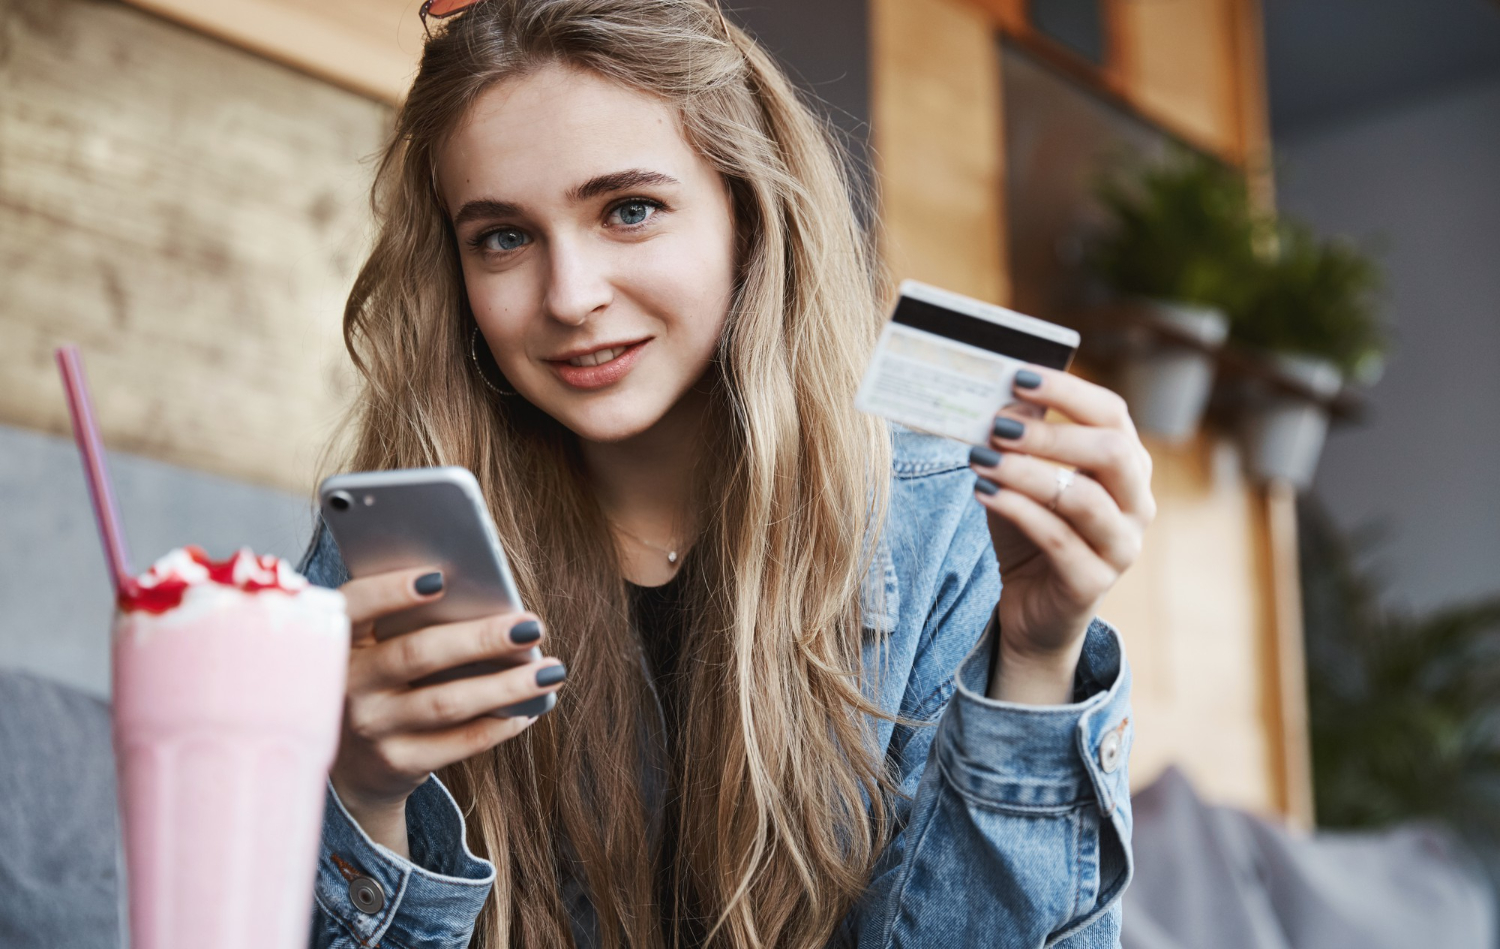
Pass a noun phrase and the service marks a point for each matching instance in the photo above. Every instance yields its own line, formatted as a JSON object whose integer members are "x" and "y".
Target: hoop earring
{"x": 484, "y": 377}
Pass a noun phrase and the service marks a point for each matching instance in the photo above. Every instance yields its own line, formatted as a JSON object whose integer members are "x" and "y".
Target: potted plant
{"x": 1402, "y": 706}
{"x": 1177, "y": 251}
{"x": 1311, "y": 309}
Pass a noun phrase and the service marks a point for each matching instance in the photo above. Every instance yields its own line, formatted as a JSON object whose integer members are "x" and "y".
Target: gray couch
{"x": 1207, "y": 877}
{"x": 58, "y": 836}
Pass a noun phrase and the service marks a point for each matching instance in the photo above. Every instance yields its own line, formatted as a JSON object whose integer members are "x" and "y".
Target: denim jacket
{"x": 1013, "y": 826}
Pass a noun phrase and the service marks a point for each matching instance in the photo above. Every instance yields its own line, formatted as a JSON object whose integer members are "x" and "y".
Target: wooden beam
{"x": 368, "y": 46}
{"x": 1286, "y": 670}
{"x": 1253, "y": 111}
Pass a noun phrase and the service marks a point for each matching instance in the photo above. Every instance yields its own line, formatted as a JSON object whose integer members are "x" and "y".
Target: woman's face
{"x": 597, "y": 247}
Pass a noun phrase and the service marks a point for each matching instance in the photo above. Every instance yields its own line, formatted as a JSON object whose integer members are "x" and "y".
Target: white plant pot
{"x": 1166, "y": 383}
{"x": 1284, "y": 434}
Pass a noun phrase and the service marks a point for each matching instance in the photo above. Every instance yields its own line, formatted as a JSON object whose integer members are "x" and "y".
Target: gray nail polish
{"x": 429, "y": 583}
{"x": 983, "y": 457}
{"x": 526, "y": 632}
{"x": 1009, "y": 428}
{"x": 985, "y": 486}
{"x": 551, "y": 675}
{"x": 1026, "y": 379}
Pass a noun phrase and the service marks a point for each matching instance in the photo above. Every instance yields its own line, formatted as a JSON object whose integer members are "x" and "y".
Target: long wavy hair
{"x": 780, "y": 802}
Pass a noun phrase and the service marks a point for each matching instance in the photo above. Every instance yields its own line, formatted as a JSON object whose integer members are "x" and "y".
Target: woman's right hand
{"x": 394, "y": 735}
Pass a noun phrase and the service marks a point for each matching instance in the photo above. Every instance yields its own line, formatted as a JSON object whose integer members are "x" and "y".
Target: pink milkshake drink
{"x": 228, "y": 689}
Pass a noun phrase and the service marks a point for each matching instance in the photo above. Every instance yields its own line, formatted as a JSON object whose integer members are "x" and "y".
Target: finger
{"x": 1078, "y": 399}
{"x": 415, "y": 655}
{"x": 1082, "y": 573}
{"x": 1114, "y": 458}
{"x": 370, "y": 598}
{"x": 449, "y": 703}
{"x": 1084, "y": 504}
{"x": 431, "y": 751}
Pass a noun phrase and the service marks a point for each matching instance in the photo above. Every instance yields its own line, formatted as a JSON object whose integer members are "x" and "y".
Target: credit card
{"x": 946, "y": 363}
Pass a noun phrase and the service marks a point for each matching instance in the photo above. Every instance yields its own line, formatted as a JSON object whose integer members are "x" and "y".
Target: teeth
{"x": 594, "y": 359}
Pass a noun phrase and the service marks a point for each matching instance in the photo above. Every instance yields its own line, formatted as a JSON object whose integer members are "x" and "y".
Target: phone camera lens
{"x": 340, "y": 501}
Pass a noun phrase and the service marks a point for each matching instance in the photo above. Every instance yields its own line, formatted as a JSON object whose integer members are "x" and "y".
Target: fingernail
{"x": 1009, "y": 428}
{"x": 1026, "y": 379}
{"x": 429, "y": 583}
{"x": 527, "y": 632}
{"x": 983, "y": 457}
{"x": 551, "y": 675}
{"x": 985, "y": 486}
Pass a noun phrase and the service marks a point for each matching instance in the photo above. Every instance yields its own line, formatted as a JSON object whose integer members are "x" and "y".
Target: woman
{"x": 619, "y": 276}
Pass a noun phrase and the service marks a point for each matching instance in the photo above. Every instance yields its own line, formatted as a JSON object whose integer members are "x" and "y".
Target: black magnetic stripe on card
{"x": 963, "y": 328}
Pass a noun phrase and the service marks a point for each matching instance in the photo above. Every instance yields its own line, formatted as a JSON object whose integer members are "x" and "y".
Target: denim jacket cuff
{"x": 430, "y": 903}
{"x": 1041, "y": 757}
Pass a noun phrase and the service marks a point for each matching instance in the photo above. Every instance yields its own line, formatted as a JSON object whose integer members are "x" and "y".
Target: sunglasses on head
{"x": 438, "y": 9}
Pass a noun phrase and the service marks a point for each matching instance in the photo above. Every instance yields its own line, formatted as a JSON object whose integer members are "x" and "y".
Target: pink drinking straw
{"x": 91, "y": 448}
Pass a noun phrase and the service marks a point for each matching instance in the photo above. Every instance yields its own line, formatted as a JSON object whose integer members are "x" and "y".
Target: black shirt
{"x": 662, "y": 623}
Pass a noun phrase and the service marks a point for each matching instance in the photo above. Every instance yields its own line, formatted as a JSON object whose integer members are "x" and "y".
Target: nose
{"x": 578, "y": 284}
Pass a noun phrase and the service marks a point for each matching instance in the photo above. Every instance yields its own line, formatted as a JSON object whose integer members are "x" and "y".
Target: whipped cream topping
{"x": 163, "y": 587}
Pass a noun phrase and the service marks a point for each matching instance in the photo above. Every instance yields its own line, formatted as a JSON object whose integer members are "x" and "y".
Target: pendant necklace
{"x": 671, "y": 554}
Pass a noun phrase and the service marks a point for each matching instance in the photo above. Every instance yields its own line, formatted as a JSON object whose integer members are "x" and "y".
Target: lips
{"x": 599, "y": 367}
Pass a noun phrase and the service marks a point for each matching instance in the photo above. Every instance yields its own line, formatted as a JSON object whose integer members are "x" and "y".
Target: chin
{"x": 617, "y": 418}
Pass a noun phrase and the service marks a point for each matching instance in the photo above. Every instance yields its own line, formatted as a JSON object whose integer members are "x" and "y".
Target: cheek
{"x": 697, "y": 277}
{"x": 500, "y": 303}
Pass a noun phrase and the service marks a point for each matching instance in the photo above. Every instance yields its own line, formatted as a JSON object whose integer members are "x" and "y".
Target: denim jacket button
{"x": 367, "y": 895}
{"x": 1109, "y": 752}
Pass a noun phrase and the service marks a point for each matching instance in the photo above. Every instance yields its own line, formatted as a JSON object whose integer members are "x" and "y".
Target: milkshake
{"x": 228, "y": 689}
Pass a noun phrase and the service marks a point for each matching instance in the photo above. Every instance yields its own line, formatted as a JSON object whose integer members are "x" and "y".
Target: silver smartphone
{"x": 417, "y": 517}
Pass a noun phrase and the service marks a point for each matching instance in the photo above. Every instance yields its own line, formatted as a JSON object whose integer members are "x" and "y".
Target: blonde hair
{"x": 780, "y": 794}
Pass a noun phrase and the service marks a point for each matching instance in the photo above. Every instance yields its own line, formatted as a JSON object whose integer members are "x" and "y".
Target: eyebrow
{"x": 593, "y": 188}
{"x": 619, "y": 181}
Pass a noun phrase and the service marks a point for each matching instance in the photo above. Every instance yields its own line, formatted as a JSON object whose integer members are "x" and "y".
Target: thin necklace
{"x": 671, "y": 554}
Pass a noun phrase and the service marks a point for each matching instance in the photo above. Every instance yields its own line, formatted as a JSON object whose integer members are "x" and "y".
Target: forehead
{"x": 528, "y": 140}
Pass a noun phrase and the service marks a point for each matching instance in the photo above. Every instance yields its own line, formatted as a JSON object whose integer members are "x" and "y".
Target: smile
{"x": 600, "y": 367}
{"x": 597, "y": 357}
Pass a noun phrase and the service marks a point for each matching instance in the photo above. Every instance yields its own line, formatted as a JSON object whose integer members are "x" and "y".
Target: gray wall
{"x": 1331, "y": 59}
{"x": 825, "y": 46}
{"x": 1425, "y": 175}
{"x": 55, "y": 601}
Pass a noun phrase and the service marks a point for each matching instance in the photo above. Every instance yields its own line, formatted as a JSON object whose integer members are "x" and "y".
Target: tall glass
{"x": 228, "y": 686}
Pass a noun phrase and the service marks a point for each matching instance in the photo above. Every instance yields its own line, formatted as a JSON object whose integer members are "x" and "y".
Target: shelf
{"x": 1105, "y": 326}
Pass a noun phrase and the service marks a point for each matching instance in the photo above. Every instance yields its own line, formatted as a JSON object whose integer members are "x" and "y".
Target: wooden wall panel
{"x": 935, "y": 103}
{"x": 1194, "y": 615}
{"x": 191, "y": 215}
{"x": 1193, "y": 67}
{"x": 1178, "y": 60}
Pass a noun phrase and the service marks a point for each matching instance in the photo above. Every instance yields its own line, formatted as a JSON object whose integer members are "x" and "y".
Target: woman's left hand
{"x": 1061, "y": 544}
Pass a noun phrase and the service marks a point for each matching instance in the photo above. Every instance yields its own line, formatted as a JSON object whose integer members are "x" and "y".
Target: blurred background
{"x": 1276, "y": 222}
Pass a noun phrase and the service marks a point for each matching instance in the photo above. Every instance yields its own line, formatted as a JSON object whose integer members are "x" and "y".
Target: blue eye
{"x": 504, "y": 239}
{"x": 635, "y": 211}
